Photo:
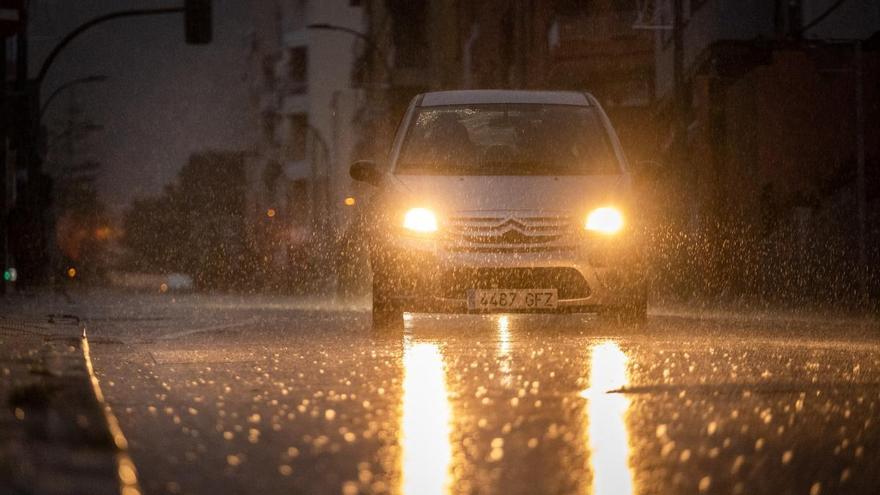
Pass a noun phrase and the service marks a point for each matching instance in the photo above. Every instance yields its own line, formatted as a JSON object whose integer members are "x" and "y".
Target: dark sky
{"x": 164, "y": 99}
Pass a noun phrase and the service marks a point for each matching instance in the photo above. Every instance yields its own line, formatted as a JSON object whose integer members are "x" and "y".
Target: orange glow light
{"x": 349, "y": 201}
{"x": 270, "y": 212}
{"x": 71, "y": 272}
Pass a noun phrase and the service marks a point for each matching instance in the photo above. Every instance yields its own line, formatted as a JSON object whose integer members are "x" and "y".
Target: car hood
{"x": 493, "y": 193}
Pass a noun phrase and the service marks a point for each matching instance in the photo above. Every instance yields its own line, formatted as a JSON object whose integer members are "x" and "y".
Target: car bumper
{"x": 426, "y": 275}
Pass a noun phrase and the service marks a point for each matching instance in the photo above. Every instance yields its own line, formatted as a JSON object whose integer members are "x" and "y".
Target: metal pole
{"x": 23, "y": 89}
{"x": 680, "y": 96}
{"x": 318, "y": 201}
{"x": 4, "y": 193}
{"x": 372, "y": 47}
{"x": 82, "y": 80}
{"x": 27, "y": 153}
{"x": 861, "y": 188}
{"x": 41, "y": 75}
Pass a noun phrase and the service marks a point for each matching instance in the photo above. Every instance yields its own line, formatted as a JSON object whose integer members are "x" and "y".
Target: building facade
{"x": 304, "y": 104}
{"x": 579, "y": 45}
{"x": 772, "y": 137}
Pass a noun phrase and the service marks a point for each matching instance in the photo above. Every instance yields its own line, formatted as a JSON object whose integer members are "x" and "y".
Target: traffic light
{"x": 197, "y": 21}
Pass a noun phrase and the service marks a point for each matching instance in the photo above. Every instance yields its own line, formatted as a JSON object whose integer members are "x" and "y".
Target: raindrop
{"x": 705, "y": 483}
{"x": 786, "y": 457}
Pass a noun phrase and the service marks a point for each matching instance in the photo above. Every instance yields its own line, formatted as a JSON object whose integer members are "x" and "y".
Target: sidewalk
{"x": 54, "y": 436}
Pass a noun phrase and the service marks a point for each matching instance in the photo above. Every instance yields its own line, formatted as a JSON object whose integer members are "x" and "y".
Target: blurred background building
{"x": 762, "y": 118}
{"x": 580, "y": 45}
{"x": 778, "y": 118}
{"x": 304, "y": 103}
{"x": 763, "y": 115}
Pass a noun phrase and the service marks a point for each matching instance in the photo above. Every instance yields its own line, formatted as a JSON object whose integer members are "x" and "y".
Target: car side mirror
{"x": 366, "y": 171}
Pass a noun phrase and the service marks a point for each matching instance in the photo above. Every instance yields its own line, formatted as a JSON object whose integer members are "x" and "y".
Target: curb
{"x": 57, "y": 434}
{"x": 125, "y": 469}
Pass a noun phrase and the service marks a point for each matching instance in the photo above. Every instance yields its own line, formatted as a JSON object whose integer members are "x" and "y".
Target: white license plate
{"x": 500, "y": 299}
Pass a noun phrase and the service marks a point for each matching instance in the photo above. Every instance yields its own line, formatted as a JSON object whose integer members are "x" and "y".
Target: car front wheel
{"x": 634, "y": 311}
{"x": 387, "y": 313}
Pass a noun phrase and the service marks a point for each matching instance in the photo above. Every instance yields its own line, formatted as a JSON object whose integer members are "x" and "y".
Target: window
{"x": 268, "y": 67}
{"x": 295, "y": 13}
{"x": 270, "y": 125}
{"x": 298, "y": 67}
{"x": 575, "y": 8}
{"x": 409, "y": 32}
{"x": 694, "y": 5}
{"x": 507, "y": 139}
{"x": 572, "y": 7}
{"x": 294, "y": 146}
{"x": 298, "y": 202}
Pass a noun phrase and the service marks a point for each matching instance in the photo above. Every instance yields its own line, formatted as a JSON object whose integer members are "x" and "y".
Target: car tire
{"x": 633, "y": 312}
{"x": 387, "y": 313}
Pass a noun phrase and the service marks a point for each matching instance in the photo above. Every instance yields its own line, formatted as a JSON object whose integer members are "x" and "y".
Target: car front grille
{"x": 518, "y": 232}
{"x": 569, "y": 283}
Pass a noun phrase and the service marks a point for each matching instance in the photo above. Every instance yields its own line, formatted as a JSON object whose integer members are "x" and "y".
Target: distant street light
{"x": 372, "y": 47}
{"x": 65, "y": 86}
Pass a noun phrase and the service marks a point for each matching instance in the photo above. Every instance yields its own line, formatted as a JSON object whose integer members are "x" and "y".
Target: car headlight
{"x": 420, "y": 220}
{"x": 605, "y": 220}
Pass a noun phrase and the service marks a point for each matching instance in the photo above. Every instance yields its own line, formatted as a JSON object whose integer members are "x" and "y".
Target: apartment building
{"x": 304, "y": 104}
{"x": 772, "y": 94}
{"x": 771, "y": 142}
{"x": 581, "y": 45}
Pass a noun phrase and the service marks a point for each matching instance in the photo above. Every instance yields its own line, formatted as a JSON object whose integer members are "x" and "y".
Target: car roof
{"x": 486, "y": 96}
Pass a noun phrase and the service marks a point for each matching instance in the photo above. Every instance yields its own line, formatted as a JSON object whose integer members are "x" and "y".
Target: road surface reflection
{"x": 503, "y": 354}
{"x": 427, "y": 416}
{"x": 607, "y": 431}
{"x": 425, "y": 423}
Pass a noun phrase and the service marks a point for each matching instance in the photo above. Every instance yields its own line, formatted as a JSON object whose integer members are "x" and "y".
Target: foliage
{"x": 196, "y": 226}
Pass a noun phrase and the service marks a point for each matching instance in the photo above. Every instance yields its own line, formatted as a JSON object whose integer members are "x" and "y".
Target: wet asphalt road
{"x": 261, "y": 396}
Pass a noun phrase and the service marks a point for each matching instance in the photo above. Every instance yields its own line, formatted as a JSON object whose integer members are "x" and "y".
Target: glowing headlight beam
{"x": 420, "y": 220}
{"x": 606, "y": 220}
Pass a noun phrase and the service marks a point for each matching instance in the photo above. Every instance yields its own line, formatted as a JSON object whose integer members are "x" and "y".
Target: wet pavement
{"x": 276, "y": 395}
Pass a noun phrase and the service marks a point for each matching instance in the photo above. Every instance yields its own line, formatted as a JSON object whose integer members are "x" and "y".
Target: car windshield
{"x": 507, "y": 139}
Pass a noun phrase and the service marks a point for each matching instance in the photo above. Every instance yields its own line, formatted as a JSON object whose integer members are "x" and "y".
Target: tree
{"x": 196, "y": 226}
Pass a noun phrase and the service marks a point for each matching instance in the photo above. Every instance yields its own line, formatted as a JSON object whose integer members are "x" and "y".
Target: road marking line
{"x": 125, "y": 470}
{"x": 187, "y": 333}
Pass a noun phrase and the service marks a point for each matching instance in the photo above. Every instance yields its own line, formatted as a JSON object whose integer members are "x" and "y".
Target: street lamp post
{"x": 64, "y": 87}
{"x": 372, "y": 48}
{"x": 376, "y": 100}
{"x": 28, "y": 111}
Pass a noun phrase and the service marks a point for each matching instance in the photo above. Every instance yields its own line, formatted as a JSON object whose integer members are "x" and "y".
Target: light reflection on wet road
{"x": 268, "y": 399}
{"x": 606, "y": 415}
{"x": 425, "y": 421}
